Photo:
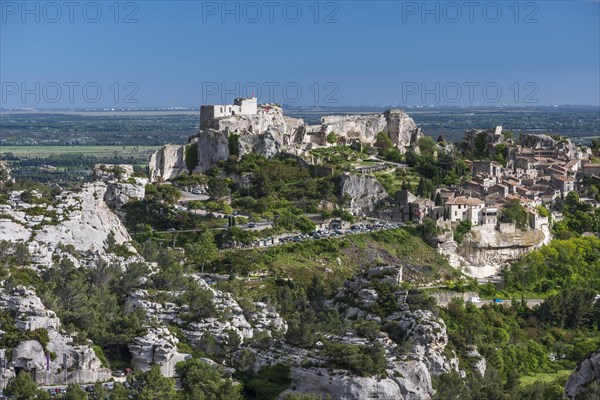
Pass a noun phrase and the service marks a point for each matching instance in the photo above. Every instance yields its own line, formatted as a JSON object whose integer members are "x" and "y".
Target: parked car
{"x": 118, "y": 374}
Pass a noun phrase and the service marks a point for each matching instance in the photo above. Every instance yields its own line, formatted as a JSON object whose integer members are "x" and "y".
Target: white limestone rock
{"x": 167, "y": 163}
{"x": 365, "y": 192}
{"x": 157, "y": 346}
{"x": 71, "y": 364}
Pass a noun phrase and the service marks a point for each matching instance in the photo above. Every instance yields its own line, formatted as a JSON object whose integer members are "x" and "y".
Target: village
{"x": 539, "y": 170}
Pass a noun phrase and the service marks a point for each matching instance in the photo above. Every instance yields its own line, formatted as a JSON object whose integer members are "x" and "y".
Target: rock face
{"x": 586, "y": 372}
{"x": 362, "y": 128}
{"x": 365, "y": 192}
{"x": 401, "y": 128}
{"x": 158, "y": 346}
{"x": 167, "y": 163}
{"x": 245, "y": 324}
{"x": 112, "y": 172}
{"x": 485, "y": 250}
{"x": 69, "y": 363}
{"x": 213, "y": 146}
{"x": 268, "y": 132}
{"x": 89, "y": 226}
{"x": 408, "y": 371}
{"x": 117, "y": 194}
{"x": 82, "y": 219}
{"x": 121, "y": 186}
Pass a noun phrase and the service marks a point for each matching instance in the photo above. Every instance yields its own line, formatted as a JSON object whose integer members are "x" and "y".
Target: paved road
{"x": 508, "y": 303}
{"x": 188, "y": 196}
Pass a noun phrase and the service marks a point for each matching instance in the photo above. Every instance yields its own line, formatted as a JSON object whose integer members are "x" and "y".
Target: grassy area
{"x": 337, "y": 259}
{"x": 100, "y": 151}
{"x": 546, "y": 377}
{"x": 392, "y": 182}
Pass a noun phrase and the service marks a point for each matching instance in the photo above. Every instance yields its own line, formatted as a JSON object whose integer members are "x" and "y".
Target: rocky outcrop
{"x": 60, "y": 362}
{"x": 268, "y": 132}
{"x": 364, "y": 191}
{"x": 121, "y": 186}
{"x": 167, "y": 163}
{"x": 158, "y": 346}
{"x": 88, "y": 225}
{"x": 586, "y": 372}
{"x": 411, "y": 362}
{"x": 112, "y": 172}
{"x": 485, "y": 250}
{"x": 401, "y": 128}
{"x": 213, "y": 146}
{"x": 82, "y": 219}
{"x": 360, "y": 128}
{"x": 118, "y": 194}
{"x": 229, "y": 318}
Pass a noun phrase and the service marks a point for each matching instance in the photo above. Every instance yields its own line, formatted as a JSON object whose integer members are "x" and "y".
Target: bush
{"x": 361, "y": 360}
{"x": 461, "y": 230}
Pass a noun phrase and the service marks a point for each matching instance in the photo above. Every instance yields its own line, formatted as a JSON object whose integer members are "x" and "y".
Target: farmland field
{"x": 99, "y": 151}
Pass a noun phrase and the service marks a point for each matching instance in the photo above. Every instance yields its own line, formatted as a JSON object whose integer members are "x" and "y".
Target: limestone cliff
{"x": 586, "y": 372}
{"x": 167, "y": 163}
{"x": 364, "y": 191}
{"x": 485, "y": 250}
{"x": 269, "y": 132}
{"x": 69, "y": 364}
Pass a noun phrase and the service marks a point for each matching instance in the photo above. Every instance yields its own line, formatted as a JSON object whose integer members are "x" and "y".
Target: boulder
{"x": 365, "y": 192}
{"x": 117, "y": 194}
{"x": 586, "y": 372}
{"x": 158, "y": 346}
{"x": 167, "y": 163}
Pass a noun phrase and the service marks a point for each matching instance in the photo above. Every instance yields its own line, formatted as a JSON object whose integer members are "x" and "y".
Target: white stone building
{"x": 464, "y": 209}
{"x": 240, "y": 107}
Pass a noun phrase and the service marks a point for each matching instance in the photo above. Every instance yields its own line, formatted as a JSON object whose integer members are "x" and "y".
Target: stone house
{"x": 563, "y": 183}
{"x": 464, "y": 209}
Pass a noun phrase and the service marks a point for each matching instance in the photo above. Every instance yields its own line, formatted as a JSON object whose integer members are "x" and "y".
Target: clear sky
{"x": 183, "y": 54}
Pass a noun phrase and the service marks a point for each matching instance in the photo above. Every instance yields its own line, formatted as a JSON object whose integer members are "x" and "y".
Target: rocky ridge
{"x": 269, "y": 132}
{"x": 410, "y": 365}
{"x": 60, "y": 362}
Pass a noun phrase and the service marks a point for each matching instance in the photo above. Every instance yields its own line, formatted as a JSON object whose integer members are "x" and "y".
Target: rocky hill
{"x": 269, "y": 132}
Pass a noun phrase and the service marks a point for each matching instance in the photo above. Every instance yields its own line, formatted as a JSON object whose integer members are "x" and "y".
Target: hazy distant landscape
{"x": 154, "y": 128}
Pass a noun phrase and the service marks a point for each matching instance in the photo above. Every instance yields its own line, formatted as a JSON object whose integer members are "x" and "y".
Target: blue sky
{"x": 183, "y": 54}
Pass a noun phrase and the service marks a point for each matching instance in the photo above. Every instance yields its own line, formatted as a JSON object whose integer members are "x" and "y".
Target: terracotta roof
{"x": 471, "y": 201}
{"x": 563, "y": 178}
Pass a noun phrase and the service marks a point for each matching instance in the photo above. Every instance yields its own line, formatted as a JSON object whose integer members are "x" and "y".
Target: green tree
{"x": 331, "y": 138}
{"x": 383, "y": 141}
{"x": 513, "y": 212}
{"x": 427, "y": 145}
{"x": 75, "y": 392}
{"x": 21, "y": 387}
{"x": 217, "y": 188}
{"x": 202, "y": 381}
{"x": 204, "y": 250}
{"x": 152, "y": 385}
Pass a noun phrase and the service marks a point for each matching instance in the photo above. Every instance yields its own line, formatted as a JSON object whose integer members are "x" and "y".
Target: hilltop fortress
{"x": 248, "y": 127}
